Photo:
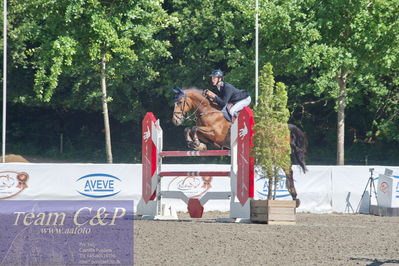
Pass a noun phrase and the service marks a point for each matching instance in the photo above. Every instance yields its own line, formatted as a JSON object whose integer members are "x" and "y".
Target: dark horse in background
{"x": 213, "y": 128}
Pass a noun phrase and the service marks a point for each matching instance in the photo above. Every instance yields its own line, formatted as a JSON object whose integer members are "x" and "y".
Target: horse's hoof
{"x": 196, "y": 148}
{"x": 298, "y": 202}
{"x": 191, "y": 145}
{"x": 201, "y": 147}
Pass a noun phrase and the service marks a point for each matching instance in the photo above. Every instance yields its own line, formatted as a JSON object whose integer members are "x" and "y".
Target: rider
{"x": 227, "y": 94}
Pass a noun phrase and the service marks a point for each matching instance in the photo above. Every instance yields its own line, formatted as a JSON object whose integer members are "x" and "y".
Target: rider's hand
{"x": 210, "y": 94}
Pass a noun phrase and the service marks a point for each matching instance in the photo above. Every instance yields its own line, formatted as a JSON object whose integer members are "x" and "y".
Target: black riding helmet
{"x": 217, "y": 73}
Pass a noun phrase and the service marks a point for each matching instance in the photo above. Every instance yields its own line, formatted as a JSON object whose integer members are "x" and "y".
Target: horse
{"x": 213, "y": 128}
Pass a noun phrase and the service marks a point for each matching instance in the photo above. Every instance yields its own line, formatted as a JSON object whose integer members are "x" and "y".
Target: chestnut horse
{"x": 212, "y": 127}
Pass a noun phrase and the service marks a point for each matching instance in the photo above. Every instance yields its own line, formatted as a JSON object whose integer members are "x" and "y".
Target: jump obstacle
{"x": 241, "y": 170}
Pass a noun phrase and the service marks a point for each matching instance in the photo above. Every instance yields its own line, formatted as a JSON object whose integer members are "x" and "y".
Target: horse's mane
{"x": 193, "y": 88}
{"x": 200, "y": 94}
{"x": 195, "y": 91}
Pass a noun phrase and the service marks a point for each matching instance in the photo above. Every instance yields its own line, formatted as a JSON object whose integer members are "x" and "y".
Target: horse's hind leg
{"x": 207, "y": 135}
{"x": 291, "y": 187}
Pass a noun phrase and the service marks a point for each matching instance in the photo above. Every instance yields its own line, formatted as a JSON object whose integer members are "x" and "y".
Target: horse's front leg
{"x": 192, "y": 139}
{"x": 199, "y": 146}
{"x": 291, "y": 187}
{"x": 187, "y": 137}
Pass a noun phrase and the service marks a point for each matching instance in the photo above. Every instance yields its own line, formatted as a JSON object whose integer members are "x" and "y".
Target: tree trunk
{"x": 342, "y": 81}
{"x": 105, "y": 111}
{"x": 270, "y": 188}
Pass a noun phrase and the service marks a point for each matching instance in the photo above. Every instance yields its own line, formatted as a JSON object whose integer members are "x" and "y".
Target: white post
{"x": 4, "y": 77}
{"x": 256, "y": 52}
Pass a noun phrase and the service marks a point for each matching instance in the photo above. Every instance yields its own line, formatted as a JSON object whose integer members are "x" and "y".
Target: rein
{"x": 193, "y": 116}
{"x": 209, "y": 112}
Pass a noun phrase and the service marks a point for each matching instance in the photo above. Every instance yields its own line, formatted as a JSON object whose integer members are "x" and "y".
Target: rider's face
{"x": 215, "y": 80}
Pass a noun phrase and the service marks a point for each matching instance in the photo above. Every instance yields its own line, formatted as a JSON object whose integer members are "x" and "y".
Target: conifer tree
{"x": 271, "y": 139}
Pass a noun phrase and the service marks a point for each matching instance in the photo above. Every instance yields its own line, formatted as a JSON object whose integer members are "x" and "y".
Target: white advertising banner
{"x": 322, "y": 189}
{"x": 350, "y": 183}
{"x": 197, "y": 186}
{"x": 313, "y": 188}
{"x": 28, "y": 181}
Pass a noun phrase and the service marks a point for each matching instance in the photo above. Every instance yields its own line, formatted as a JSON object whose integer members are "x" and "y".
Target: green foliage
{"x": 151, "y": 45}
{"x": 271, "y": 140}
{"x": 64, "y": 41}
{"x": 210, "y": 35}
{"x": 314, "y": 42}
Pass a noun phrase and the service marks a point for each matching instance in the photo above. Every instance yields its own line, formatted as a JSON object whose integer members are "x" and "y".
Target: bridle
{"x": 182, "y": 109}
{"x": 190, "y": 116}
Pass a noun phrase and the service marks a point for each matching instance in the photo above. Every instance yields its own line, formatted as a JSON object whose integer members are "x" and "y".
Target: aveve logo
{"x": 98, "y": 185}
{"x": 262, "y": 187}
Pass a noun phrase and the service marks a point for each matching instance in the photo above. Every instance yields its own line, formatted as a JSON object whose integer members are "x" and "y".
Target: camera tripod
{"x": 371, "y": 186}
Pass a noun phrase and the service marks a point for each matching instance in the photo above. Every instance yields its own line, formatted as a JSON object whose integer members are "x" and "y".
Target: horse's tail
{"x": 299, "y": 144}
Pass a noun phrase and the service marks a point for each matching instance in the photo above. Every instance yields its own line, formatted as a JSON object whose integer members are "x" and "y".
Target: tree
{"x": 211, "y": 35}
{"x": 342, "y": 46}
{"x": 271, "y": 140}
{"x": 75, "y": 47}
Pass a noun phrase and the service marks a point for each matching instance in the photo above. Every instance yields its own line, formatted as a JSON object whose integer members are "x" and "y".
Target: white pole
{"x": 4, "y": 77}
{"x": 256, "y": 53}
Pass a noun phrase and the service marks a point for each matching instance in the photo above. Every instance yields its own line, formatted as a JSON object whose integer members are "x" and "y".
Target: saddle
{"x": 226, "y": 113}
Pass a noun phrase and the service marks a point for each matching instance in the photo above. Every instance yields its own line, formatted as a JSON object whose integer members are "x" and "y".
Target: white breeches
{"x": 238, "y": 106}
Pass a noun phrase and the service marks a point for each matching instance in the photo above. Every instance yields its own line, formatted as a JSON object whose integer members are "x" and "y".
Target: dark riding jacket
{"x": 229, "y": 94}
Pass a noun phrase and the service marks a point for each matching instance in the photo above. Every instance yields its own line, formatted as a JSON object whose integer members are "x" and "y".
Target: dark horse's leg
{"x": 298, "y": 143}
{"x": 291, "y": 186}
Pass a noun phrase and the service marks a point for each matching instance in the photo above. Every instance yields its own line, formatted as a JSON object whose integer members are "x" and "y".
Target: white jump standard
{"x": 241, "y": 171}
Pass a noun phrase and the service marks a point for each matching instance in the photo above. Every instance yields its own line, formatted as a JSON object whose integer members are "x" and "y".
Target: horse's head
{"x": 182, "y": 106}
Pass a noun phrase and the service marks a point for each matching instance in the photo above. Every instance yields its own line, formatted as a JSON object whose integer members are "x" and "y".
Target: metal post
{"x": 61, "y": 143}
{"x": 4, "y": 78}
{"x": 256, "y": 53}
